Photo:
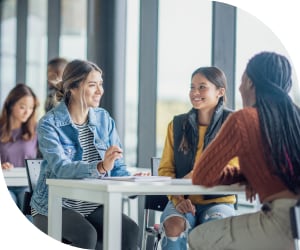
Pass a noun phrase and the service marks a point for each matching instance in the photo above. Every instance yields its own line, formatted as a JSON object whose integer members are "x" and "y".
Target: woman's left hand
{"x": 189, "y": 175}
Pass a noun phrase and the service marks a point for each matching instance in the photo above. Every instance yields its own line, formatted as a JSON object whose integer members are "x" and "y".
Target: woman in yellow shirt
{"x": 187, "y": 136}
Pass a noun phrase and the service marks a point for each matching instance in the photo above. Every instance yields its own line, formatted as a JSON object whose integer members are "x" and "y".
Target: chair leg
{"x": 156, "y": 242}
{"x": 144, "y": 241}
{"x": 296, "y": 243}
{"x": 126, "y": 201}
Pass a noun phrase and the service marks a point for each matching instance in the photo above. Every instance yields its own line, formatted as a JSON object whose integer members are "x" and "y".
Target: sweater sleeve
{"x": 212, "y": 167}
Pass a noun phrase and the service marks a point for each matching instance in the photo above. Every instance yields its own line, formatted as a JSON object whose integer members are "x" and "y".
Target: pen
{"x": 104, "y": 149}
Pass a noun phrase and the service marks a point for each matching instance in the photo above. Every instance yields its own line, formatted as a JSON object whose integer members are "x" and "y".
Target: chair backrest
{"x": 155, "y": 165}
{"x": 33, "y": 167}
{"x": 155, "y": 202}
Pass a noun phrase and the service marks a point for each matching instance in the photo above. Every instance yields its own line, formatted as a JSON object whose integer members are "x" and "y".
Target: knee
{"x": 174, "y": 226}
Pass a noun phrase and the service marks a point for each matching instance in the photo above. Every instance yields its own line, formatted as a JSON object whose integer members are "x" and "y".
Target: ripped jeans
{"x": 204, "y": 213}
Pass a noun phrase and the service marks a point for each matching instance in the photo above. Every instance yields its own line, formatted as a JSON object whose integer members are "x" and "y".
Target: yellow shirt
{"x": 167, "y": 166}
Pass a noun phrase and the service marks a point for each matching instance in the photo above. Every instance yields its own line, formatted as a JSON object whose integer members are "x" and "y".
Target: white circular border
{"x": 280, "y": 16}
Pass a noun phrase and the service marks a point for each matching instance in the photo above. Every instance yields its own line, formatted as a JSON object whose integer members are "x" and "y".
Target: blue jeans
{"x": 204, "y": 213}
{"x": 17, "y": 194}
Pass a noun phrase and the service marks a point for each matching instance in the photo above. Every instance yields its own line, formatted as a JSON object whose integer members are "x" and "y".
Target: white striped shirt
{"x": 89, "y": 154}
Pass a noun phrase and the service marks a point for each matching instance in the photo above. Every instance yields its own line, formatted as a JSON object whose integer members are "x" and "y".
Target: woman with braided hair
{"x": 264, "y": 135}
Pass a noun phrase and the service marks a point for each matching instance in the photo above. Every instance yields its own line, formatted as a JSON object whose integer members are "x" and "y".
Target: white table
{"x": 110, "y": 193}
{"x": 15, "y": 177}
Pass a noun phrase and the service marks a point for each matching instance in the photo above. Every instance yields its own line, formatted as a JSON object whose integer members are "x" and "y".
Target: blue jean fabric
{"x": 17, "y": 194}
{"x": 62, "y": 152}
{"x": 204, "y": 213}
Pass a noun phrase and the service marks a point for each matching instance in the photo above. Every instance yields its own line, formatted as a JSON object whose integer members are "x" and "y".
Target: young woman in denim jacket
{"x": 79, "y": 140}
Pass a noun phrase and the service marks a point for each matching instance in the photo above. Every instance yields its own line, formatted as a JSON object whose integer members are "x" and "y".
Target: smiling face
{"x": 22, "y": 110}
{"x": 204, "y": 94}
{"x": 90, "y": 90}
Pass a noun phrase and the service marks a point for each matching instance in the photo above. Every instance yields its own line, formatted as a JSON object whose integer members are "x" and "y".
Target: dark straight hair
{"x": 28, "y": 128}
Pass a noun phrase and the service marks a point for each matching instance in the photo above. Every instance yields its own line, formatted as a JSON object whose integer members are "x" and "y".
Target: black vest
{"x": 187, "y": 125}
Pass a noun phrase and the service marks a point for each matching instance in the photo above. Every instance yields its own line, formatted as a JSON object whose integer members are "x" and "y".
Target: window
{"x": 7, "y": 47}
{"x": 37, "y": 50}
{"x": 253, "y": 37}
{"x": 132, "y": 63}
{"x": 184, "y": 45}
{"x": 73, "y": 43}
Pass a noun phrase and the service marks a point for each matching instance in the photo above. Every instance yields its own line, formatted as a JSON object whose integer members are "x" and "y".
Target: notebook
{"x": 136, "y": 178}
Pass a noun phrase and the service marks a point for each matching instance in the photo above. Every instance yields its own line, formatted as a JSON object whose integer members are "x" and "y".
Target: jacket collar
{"x": 62, "y": 116}
{"x": 193, "y": 116}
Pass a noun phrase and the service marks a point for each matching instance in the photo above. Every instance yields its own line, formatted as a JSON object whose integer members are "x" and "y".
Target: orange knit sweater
{"x": 239, "y": 136}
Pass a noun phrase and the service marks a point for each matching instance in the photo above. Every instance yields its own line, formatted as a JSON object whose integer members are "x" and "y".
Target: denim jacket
{"x": 62, "y": 153}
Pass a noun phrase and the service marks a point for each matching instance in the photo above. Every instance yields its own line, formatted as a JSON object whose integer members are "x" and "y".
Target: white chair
{"x": 33, "y": 167}
{"x": 153, "y": 203}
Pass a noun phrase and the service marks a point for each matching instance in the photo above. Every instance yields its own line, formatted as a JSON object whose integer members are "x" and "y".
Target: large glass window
{"x": 7, "y": 47}
{"x": 73, "y": 41}
{"x": 184, "y": 45}
{"x": 132, "y": 62}
{"x": 37, "y": 49}
{"x": 253, "y": 37}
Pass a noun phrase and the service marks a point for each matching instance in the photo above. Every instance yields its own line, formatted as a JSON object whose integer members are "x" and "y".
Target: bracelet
{"x": 102, "y": 166}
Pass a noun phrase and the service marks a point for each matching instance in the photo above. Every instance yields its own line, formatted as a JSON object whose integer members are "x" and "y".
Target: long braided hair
{"x": 279, "y": 116}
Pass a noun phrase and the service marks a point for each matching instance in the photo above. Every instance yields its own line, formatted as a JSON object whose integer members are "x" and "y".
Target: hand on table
{"x": 7, "y": 165}
{"x": 250, "y": 193}
{"x": 142, "y": 174}
{"x": 189, "y": 175}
